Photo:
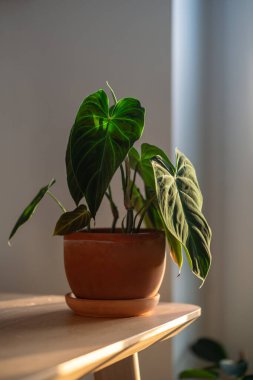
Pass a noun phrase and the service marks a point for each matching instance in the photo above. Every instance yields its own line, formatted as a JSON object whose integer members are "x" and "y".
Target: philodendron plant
{"x": 101, "y": 142}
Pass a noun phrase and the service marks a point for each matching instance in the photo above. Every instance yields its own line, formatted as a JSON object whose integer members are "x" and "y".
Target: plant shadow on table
{"x": 218, "y": 364}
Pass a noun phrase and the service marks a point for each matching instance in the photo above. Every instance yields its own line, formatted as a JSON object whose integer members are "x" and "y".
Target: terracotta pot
{"x": 114, "y": 266}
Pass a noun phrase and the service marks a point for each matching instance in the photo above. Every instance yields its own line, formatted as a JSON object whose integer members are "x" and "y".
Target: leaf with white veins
{"x": 73, "y": 221}
{"x": 98, "y": 143}
{"x": 180, "y": 201}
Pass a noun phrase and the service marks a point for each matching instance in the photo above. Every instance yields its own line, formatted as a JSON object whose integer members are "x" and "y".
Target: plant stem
{"x": 127, "y": 197}
{"x": 112, "y": 92}
{"x": 144, "y": 209}
{"x": 126, "y": 188}
{"x": 140, "y": 221}
{"x": 122, "y": 224}
{"x": 114, "y": 208}
{"x": 123, "y": 179}
{"x": 133, "y": 182}
{"x": 57, "y": 201}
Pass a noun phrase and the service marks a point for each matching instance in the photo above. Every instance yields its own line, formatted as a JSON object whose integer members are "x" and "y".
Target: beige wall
{"x": 53, "y": 53}
{"x": 212, "y": 77}
{"x": 188, "y": 37}
{"x": 229, "y": 181}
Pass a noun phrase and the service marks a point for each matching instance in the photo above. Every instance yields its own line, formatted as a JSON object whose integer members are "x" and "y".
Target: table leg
{"x": 126, "y": 369}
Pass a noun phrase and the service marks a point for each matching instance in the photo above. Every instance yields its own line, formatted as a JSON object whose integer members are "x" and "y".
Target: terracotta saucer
{"x": 111, "y": 308}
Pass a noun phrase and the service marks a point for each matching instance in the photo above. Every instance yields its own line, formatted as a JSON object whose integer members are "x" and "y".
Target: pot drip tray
{"x": 111, "y": 308}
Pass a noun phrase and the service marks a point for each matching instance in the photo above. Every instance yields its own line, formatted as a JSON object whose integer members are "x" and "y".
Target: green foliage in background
{"x": 219, "y": 366}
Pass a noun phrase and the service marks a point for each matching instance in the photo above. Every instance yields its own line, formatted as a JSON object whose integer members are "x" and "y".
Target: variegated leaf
{"x": 180, "y": 201}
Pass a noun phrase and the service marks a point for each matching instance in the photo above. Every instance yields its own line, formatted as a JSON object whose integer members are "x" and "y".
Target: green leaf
{"x": 198, "y": 374}
{"x": 134, "y": 158}
{"x": 154, "y": 217}
{"x": 99, "y": 142}
{"x": 30, "y": 209}
{"x": 180, "y": 201}
{"x": 175, "y": 249}
{"x": 209, "y": 349}
{"x": 137, "y": 199}
{"x": 248, "y": 377}
{"x": 233, "y": 368}
{"x": 73, "y": 221}
{"x": 143, "y": 162}
{"x": 144, "y": 167}
{"x": 175, "y": 245}
{"x": 147, "y": 153}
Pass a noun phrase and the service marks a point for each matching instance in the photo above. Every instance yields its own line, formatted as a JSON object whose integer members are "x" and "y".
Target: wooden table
{"x": 40, "y": 338}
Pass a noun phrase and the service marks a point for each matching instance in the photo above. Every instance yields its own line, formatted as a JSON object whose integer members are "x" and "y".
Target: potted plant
{"x": 121, "y": 268}
{"x": 218, "y": 365}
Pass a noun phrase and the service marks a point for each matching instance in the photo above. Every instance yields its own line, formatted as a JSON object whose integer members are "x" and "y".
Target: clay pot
{"x": 114, "y": 266}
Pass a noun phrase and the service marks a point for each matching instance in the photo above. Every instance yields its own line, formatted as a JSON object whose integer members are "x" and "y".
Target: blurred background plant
{"x": 218, "y": 365}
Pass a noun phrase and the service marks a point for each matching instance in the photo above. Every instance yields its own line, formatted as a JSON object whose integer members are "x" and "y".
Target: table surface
{"x": 42, "y": 339}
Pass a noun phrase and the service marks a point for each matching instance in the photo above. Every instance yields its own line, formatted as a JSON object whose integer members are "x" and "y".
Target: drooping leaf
{"x": 144, "y": 168}
{"x": 209, "y": 349}
{"x": 73, "y": 221}
{"x": 198, "y": 374}
{"x": 180, "y": 201}
{"x": 143, "y": 162}
{"x": 30, "y": 209}
{"x": 175, "y": 245}
{"x": 233, "y": 368}
{"x": 147, "y": 153}
{"x": 175, "y": 249}
{"x": 99, "y": 142}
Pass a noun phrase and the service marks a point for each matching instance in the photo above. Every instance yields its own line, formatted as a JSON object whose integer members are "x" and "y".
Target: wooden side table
{"x": 42, "y": 339}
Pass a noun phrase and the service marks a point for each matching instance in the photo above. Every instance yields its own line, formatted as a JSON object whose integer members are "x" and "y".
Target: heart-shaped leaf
{"x": 73, "y": 221}
{"x": 209, "y": 349}
{"x": 99, "y": 142}
{"x": 30, "y": 209}
{"x": 180, "y": 201}
{"x": 198, "y": 374}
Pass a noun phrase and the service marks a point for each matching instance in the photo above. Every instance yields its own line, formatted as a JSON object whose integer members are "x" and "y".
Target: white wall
{"x": 53, "y": 54}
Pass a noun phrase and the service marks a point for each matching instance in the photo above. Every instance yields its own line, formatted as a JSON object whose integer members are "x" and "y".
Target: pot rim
{"x": 106, "y": 234}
